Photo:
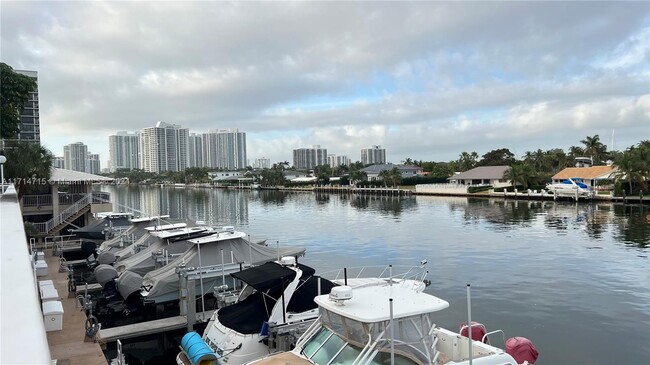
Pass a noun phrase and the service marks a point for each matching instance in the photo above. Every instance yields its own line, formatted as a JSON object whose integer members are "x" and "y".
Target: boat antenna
{"x": 392, "y": 333}
{"x": 469, "y": 323}
{"x": 277, "y": 244}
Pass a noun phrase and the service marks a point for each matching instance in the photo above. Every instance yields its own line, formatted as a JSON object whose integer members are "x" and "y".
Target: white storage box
{"x": 41, "y": 268}
{"x": 42, "y": 283}
{"x": 40, "y": 256}
{"x": 53, "y": 316}
{"x": 49, "y": 293}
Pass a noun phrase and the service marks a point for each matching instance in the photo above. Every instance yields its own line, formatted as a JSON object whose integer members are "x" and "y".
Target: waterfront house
{"x": 293, "y": 174}
{"x": 225, "y": 175}
{"x": 482, "y": 175}
{"x": 588, "y": 175}
{"x": 373, "y": 171}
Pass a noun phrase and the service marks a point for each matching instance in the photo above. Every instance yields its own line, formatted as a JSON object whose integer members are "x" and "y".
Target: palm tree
{"x": 633, "y": 166}
{"x": 395, "y": 176}
{"x": 594, "y": 148}
{"x": 27, "y": 163}
{"x": 520, "y": 173}
{"x": 385, "y": 176}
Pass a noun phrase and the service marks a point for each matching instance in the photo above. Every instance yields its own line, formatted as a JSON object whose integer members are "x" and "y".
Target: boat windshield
{"x": 341, "y": 341}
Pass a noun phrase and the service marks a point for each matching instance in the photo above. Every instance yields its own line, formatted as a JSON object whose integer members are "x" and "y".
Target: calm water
{"x": 573, "y": 278}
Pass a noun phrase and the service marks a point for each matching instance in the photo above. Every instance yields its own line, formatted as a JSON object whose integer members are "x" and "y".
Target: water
{"x": 573, "y": 278}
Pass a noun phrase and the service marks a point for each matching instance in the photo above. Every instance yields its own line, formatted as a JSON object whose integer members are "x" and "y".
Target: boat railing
{"x": 486, "y": 337}
{"x": 418, "y": 273}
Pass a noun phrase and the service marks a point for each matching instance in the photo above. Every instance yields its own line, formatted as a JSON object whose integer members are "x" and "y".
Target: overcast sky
{"x": 425, "y": 80}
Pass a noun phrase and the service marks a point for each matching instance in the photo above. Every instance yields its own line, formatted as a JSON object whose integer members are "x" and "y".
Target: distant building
{"x": 75, "y": 156}
{"x": 375, "y": 155}
{"x": 373, "y": 171}
{"x": 93, "y": 165}
{"x": 488, "y": 175}
{"x": 224, "y": 149}
{"x": 589, "y": 175}
{"x": 335, "y": 161}
{"x": 262, "y": 163}
{"x": 164, "y": 148}
{"x": 124, "y": 151}
{"x": 195, "y": 153}
{"x": 58, "y": 162}
{"x": 308, "y": 158}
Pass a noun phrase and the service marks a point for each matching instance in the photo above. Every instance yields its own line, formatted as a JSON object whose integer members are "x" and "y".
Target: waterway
{"x": 573, "y": 278}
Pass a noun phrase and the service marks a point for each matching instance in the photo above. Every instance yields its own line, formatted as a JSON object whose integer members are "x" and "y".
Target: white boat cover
{"x": 105, "y": 273}
{"x": 136, "y": 230}
{"x": 165, "y": 280}
{"x": 143, "y": 262}
{"x": 128, "y": 283}
{"x": 127, "y": 251}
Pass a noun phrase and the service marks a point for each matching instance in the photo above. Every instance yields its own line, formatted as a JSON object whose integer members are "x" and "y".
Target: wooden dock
{"x": 69, "y": 346}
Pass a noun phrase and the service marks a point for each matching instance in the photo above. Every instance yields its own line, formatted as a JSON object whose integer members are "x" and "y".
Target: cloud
{"x": 424, "y": 79}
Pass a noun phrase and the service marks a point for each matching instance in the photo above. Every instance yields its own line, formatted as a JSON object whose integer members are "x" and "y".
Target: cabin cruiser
{"x": 379, "y": 324}
{"x": 106, "y": 225}
{"x": 571, "y": 188}
{"x": 277, "y": 305}
{"x": 209, "y": 260}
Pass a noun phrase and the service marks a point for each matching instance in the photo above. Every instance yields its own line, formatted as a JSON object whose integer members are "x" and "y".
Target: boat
{"x": 210, "y": 259}
{"x": 106, "y": 225}
{"x": 277, "y": 305}
{"x": 383, "y": 324}
{"x": 571, "y": 188}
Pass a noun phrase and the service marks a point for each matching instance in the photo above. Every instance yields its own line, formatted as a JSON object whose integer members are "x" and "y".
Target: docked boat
{"x": 571, "y": 188}
{"x": 276, "y": 306}
{"x": 104, "y": 227}
{"x": 383, "y": 324}
{"x": 210, "y": 260}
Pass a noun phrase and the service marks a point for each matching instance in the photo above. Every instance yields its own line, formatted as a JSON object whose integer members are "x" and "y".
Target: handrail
{"x": 87, "y": 199}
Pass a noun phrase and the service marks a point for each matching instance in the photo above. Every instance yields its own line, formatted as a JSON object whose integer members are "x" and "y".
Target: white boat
{"x": 390, "y": 324}
{"x": 276, "y": 306}
{"x": 571, "y": 188}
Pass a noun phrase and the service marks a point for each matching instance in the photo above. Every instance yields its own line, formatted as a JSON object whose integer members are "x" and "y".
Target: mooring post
{"x": 191, "y": 307}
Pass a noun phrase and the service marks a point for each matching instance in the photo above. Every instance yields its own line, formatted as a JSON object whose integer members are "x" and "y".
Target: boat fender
{"x": 197, "y": 350}
{"x": 92, "y": 326}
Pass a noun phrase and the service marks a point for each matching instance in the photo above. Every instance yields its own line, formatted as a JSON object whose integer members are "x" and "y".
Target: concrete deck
{"x": 68, "y": 346}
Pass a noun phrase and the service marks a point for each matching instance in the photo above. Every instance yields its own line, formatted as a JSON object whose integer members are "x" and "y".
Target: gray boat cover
{"x": 165, "y": 280}
{"x": 144, "y": 261}
{"x": 144, "y": 241}
{"x": 128, "y": 283}
{"x": 106, "y": 258}
{"x": 104, "y": 274}
{"x": 136, "y": 230}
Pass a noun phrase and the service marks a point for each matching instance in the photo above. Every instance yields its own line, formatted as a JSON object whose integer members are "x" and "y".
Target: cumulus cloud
{"x": 426, "y": 80}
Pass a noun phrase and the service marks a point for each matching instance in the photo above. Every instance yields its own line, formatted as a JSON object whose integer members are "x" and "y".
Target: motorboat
{"x": 571, "y": 188}
{"x": 106, "y": 225}
{"x": 383, "y": 324}
{"x": 210, "y": 260}
{"x": 276, "y": 305}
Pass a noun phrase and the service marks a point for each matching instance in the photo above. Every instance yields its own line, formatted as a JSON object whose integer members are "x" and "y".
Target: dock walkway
{"x": 69, "y": 346}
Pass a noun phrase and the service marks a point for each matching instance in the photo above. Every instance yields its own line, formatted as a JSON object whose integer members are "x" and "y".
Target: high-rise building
{"x": 308, "y": 158}
{"x": 374, "y": 155}
{"x": 164, "y": 148}
{"x": 124, "y": 151}
{"x": 262, "y": 163}
{"x": 75, "y": 156}
{"x": 334, "y": 160}
{"x": 58, "y": 162}
{"x": 224, "y": 149}
{"x": 30, "y": 127}
{"x": 93, "y": 166}
{"x": 195, "y": 153}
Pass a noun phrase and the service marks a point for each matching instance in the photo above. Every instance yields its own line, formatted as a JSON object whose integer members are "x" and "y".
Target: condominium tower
{"x": 195, "y": 153}
{"x": 124, "y": 151}
{"x": 164, "y": 148}
{"x": 375, "y": 155}
{"x": 224, "y": 149}
{"x": 29, "y": 126}
{"x": 308, "y": 158}
{"x": 75, "y": 156}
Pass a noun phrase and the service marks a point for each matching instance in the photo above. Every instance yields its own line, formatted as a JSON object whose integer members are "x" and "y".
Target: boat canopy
{"x": 270, "y": 274}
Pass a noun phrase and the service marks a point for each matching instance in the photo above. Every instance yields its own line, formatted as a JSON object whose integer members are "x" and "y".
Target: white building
{"x": 93, "y": 165}
{"x": 224, "y": 149}
{"x": 308, "y": 158}
{"x": 334, "y": 160}
{"x": 30, "y": 126}
{"x": 58, "y": 162}
{"x": 75, "y": 156}
{"x": 375, "y": 155}
{"x": 262, "y": 163}
{"x": 124, "y": 151}
{"x": 164, "y": 148}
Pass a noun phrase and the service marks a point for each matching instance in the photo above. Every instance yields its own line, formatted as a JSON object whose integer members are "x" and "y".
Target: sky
{"x": 425, "y": 80}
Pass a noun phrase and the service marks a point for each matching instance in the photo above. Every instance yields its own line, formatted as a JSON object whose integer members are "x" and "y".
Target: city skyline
{"x": 428, "y": 80}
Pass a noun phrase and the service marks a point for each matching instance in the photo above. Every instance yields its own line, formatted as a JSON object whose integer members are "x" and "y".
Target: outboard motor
{"x": 106, "y": 258}
{"x": 478, "y": 331}
{"x": 129, "y": 285}
{"x": 521, "y": 349}
{"x": 105, "y": 275}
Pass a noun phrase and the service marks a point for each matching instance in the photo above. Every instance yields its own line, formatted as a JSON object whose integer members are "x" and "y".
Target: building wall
{"x": 30, "y": 126}
{"x": 195, "y": 151}
{"x": 164, "y": 148}
{"x": 93, "y": 165}
{"x": 262, "y": 163}
{"x": 224, "y": 149}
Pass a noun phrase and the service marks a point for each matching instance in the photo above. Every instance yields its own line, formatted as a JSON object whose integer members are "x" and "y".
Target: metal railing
{"x": 37, "y": 200}
{"x": 83, "y": 201}
{"x": 64, "y": 199}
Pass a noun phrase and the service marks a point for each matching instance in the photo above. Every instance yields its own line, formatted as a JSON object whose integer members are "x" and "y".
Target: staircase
{"x": 76, "y": 210}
